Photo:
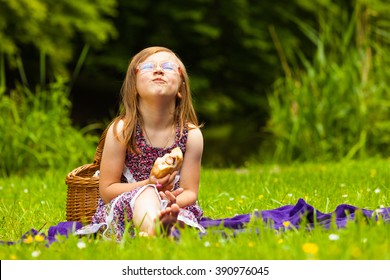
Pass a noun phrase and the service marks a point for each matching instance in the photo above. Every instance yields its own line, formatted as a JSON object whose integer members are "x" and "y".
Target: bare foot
{"x": 168, "y": 219}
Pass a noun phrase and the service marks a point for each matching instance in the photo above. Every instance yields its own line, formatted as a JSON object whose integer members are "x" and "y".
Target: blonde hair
{"x": 130, "y": 112}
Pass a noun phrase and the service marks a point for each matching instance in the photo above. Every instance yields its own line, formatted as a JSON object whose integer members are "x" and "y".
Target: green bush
{"x": 337, "y": 105}
{"x": 37, "y": 133}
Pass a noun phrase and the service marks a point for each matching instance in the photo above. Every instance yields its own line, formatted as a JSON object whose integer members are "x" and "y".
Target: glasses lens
{"x": 169, "y": 66}
{"x": 146, "y": 67}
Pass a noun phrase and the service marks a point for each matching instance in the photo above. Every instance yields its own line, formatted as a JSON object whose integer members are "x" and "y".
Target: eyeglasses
{"x": 150, "y": 66}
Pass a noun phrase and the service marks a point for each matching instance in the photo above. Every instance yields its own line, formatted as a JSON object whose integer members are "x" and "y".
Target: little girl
{"x": 158, "y": 116}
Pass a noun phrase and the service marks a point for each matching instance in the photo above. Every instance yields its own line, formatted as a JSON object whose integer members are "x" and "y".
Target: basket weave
{"x": 83, "y": 188}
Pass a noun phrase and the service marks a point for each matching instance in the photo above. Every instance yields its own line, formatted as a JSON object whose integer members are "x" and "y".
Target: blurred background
{"x": 272, "y": 81}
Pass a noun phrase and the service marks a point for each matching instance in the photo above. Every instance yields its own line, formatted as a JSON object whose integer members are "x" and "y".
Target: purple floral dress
{"x": 119, "y": 212}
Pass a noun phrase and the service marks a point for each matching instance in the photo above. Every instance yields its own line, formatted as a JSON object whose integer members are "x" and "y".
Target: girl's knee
{"x": 146, "y": 210}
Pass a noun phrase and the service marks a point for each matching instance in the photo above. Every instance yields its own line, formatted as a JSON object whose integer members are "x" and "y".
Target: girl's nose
{"x": 158, "y": 69}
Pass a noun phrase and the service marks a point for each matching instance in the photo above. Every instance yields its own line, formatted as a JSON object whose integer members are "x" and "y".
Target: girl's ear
{"x": 179, "y": 95}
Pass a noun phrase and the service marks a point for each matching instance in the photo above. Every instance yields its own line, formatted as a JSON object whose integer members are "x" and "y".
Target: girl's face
{"x": 158, "y": 76}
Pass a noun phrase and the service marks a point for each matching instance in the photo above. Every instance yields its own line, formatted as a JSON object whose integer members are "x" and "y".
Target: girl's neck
{"x": 158, "y": 125}
{"x": 157, "y": 116}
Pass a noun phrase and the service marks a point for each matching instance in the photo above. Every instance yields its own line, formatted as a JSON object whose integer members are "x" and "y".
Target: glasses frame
{"x": 155, "y": 64}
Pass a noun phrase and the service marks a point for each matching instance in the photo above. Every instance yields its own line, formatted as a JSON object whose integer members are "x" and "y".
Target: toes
{"x": 175, "y": 209}
{"x": 168, "y": 218}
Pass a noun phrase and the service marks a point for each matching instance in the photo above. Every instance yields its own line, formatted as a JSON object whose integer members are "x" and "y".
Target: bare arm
{"x": 190, "y": 171}
{"x": 111, "y": 167}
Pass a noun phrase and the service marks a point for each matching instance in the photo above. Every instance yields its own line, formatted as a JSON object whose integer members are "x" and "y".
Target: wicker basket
{"x": 83, "y": 188}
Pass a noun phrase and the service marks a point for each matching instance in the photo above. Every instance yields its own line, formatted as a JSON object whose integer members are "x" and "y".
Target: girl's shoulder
{"x": 191, "y": 125}
{"x": 194, "y": 145}
{"x": 115, "y": 128}
{"x": 193, "y": 128}
{"x": 118, "y": 125}
{"x": 194, "y": 133}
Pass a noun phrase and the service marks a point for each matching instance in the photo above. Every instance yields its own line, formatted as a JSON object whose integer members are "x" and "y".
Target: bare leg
{"x": 146, "y": 211}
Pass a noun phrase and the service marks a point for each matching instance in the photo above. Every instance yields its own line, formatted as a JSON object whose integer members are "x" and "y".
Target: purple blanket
{"x": 300, "y": 214}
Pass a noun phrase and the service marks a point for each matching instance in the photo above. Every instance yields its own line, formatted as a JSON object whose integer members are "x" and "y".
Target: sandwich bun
{"x": 168, "y": 163}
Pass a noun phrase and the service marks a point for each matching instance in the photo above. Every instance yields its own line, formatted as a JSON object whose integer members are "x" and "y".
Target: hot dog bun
{"x": 168, "y": 163}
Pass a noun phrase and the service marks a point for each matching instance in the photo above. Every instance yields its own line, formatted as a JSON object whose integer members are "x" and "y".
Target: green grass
{"x": 36, "y": 201}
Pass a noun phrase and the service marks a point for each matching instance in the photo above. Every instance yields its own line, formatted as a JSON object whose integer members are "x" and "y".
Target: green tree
{"x": 48, "y": 31}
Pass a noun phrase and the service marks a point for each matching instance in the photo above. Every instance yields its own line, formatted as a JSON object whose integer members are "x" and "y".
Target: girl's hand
{"x": 171, "y": 196}
{"x": 165, "y": 183}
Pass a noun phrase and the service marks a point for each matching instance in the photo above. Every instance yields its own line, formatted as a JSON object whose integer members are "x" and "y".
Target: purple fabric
{"x": 300, "y": 214}
{"x": 62, "y": 229}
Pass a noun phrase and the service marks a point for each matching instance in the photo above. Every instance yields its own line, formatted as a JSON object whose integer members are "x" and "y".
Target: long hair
{"x": 130, "y": 112}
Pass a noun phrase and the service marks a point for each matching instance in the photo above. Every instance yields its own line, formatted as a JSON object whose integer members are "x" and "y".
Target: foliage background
{"x": 282, "y": 81}
{"x": 272, "y": 81}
